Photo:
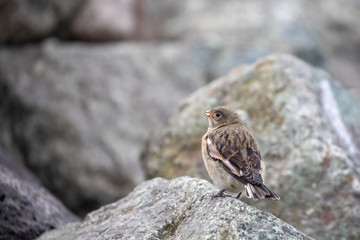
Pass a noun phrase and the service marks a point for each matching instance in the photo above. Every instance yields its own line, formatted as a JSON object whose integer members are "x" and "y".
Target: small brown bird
{"x": 231, "y": 156}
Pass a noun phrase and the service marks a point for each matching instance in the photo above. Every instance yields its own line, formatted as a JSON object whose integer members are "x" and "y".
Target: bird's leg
{"x": 238, "y": 196}
{"x": 219, "y": 194}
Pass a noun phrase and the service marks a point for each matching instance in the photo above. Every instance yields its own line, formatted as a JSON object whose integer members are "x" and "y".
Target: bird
{"x": 231, "y": 156}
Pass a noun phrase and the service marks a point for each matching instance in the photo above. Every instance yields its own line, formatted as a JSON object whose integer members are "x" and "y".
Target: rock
{"x": 178, "y": 209}
{"x": 27, "y": 209}
{"x": 24, "y": 21}
{"x": 335, "y": 24}
{"x": 310, "y": 154}
{"x": 234, "y": 32}
{"x": 153, "y": 16}
{"x": 79, "y": 115}
{"x": 349, "y": 110}
{"x": 11, "y": 161}
{"x": 323, "y": 33}
{"x": 105, "y": 21}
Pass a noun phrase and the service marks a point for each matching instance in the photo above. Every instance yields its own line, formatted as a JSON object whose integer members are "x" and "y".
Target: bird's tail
{"x": 259, "y": 192}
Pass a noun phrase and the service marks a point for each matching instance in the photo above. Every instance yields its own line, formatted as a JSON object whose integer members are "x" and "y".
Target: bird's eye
{"x": 218, "y": 116}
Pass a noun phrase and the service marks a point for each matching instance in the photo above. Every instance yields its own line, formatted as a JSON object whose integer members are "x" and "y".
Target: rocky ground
{"x": 86, "y": 91}
{"x": 178, "y": 209}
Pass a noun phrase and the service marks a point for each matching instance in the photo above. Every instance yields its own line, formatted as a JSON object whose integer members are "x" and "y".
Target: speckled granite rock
{"x": 178, "y": 209}
{"x": 311, "y": 156}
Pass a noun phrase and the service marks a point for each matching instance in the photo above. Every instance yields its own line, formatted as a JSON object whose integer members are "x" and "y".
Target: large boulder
{"x": 79, "y": 115}
{"x": 178, "y": 209}
{"x": 27, "y": 209}
{"x": 290, "y": 108}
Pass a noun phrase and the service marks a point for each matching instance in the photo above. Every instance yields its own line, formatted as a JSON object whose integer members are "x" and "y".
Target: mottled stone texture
{"x": 78, "y": 115}
{"x": 290, "y": 108}
{"x": 178, "y": 209}
{"x": 27, "y": 209}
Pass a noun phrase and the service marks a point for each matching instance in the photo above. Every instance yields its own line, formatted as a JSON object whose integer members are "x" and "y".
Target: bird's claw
{"x": 219, "y": 194}
{"x": 238, "y": 196}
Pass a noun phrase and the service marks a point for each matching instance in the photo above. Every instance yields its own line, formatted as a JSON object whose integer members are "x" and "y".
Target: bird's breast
{"x": 220, "y": 177}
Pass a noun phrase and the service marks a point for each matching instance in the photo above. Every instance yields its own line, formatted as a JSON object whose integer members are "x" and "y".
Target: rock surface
{"x": 26, "y": 208}
{"x": 233, "y": 39}
{"x": 348, "y": 103}
{"x": 79, "y": 115}
{"x": 324, "y": 33}
{"x": 24, "y": 21}
{"x": 335, "y": 24}
{"x": 178, "y": 209}
{"x": 291, "y": 110}
{"x": 106, "y": 20}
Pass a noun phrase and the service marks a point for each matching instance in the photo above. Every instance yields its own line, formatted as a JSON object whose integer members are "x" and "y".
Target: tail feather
{"x": 259, "y": 192}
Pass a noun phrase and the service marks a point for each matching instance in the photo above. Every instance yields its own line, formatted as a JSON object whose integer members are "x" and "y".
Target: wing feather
{"x": 237, "y": 150}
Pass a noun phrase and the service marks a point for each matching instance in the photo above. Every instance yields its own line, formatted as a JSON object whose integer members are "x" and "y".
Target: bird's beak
{"x": 207, "y": 113}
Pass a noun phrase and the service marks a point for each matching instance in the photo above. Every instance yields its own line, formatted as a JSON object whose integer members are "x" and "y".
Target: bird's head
{"x": 221, "y": 116}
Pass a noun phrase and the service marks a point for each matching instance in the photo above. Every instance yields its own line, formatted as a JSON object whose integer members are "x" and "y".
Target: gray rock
{"x": 106, "y": 20}
{"x": 10, "y": 160}
{"x": 24, "y": 21}
{"x": 27, "y": 209}
{"x": 335, "y": 24}
{"x": 79, "y": 115}
{"x": 178, "y": 209}
{"x": 348, "y": 104}
{"x": 311, "y": 157}
{"x": 234, "y": 32}
{"x": 323, "y": 33}
{"x": 153, "y": 16}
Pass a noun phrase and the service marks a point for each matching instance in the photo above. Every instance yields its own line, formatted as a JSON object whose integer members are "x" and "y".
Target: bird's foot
{"x": 238, "y": 196}
{"x": 219, "y": 194}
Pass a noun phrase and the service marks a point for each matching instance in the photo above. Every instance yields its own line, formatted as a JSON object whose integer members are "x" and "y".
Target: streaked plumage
{"x": 231, "y": 156}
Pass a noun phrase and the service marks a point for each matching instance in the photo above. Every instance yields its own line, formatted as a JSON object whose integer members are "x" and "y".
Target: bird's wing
{"x": 237, "y": 150}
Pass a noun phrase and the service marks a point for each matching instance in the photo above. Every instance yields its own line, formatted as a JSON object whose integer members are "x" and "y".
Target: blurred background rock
{"x": 86, "y": 85}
